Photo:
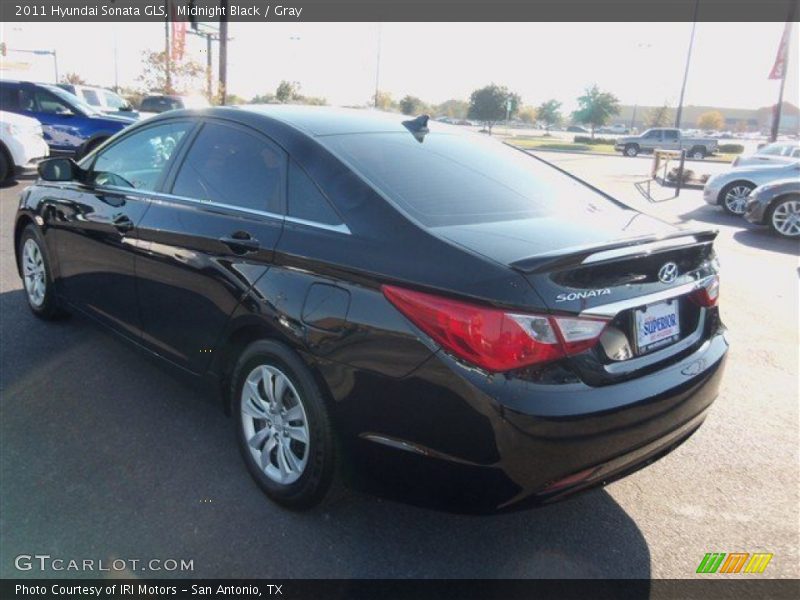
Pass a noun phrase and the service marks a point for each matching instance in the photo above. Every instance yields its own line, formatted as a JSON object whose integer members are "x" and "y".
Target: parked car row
{"x": 73, "y": 119}
{"x": 763, "y": 188}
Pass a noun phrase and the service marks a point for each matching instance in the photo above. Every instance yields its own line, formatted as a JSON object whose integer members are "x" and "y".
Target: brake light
{"x": 491, "y": 338}
{"x": 708, "y": 295}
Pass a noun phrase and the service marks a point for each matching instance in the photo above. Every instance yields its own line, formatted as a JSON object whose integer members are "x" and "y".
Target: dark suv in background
{"x": 70, "y": 125}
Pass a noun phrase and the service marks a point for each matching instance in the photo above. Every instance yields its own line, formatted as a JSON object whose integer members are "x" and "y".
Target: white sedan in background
{"x": 771, "y": 154}
{"x": 21, "y": 144}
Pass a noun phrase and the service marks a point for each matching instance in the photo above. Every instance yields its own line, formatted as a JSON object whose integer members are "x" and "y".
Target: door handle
{"x": 122, "y": 223}
{"x": 241, "y": 242}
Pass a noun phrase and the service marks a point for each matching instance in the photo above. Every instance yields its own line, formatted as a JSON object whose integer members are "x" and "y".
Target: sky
{"x": 642, "y": 63}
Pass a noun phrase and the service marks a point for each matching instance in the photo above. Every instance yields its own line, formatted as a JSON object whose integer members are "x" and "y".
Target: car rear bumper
{"x": 451, "y": 437}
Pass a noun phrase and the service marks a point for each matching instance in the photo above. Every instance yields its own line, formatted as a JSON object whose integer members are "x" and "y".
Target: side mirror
{"x": 59, "y": 169}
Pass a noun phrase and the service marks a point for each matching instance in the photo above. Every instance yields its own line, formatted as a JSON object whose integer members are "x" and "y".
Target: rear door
{"x": 671, "y": 140}
{"x": 208, "y": 239}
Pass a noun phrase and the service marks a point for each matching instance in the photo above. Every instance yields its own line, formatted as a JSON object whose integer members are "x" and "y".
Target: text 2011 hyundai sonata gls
{"x": 442, "y": 309}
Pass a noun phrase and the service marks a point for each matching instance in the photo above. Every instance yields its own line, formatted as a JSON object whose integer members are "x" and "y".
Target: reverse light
{"x": 708, "y": 295}
{"x": 491, "y": 338}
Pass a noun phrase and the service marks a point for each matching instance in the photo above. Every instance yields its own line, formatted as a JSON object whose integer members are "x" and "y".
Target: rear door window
{"x": 9, "y": 97}
{"x": 229, "y": 165}
{"x": 306, "y": 201}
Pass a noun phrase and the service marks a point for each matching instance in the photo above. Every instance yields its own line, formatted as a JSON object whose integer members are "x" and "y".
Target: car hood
{"x": 15, "y": 119}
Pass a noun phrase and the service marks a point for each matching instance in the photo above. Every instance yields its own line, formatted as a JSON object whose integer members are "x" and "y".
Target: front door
{"x": 205, "y": 242}
{"x": 95, "y": 223}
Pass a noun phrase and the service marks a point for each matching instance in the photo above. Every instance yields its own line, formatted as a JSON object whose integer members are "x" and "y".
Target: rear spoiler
{"x": 629, "y": 248}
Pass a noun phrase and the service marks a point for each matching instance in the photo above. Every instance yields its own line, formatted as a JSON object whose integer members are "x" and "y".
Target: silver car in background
{"x": 732, "y": 188}
{"x": 775, "y": 153}
{"x": 777, "y": 205}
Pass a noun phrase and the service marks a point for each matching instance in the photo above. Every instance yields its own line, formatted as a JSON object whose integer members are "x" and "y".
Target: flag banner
{"x": 779, "y": 68}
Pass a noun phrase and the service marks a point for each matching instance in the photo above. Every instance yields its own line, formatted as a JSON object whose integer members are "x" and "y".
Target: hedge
{"x": 584, "y": 139}
{"x": 731, "y": 148}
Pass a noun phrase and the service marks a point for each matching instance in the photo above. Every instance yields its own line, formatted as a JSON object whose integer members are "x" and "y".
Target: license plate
{"x": 657, "y": 325}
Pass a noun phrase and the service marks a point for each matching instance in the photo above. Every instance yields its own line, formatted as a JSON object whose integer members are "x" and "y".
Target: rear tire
{"x": 6, "y": 168}
{"x": 631, "y": 150}
{"x": 733, "y": 197}
{"x": 283, "y": 429}
{"x": 784, "y": 218}
{"x": 697, "y": 153}
{"x": 37, "y": 275}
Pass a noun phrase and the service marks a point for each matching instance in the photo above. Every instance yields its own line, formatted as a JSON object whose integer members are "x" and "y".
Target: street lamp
{"x": 686, "y": 71}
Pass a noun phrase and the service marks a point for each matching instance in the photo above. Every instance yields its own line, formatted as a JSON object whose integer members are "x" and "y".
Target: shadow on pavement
{"x": 714, "y": 215}
{"x": 764, "y": 238}
{"x": 106, "y": 456}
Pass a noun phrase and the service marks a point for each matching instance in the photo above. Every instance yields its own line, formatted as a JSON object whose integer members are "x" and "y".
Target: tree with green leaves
{"x": 186, "y": 76}
{"x": 287, "y": 91}
{"x": 490, "y": 104}
{"x": 527, "y": 114}
{"x": 73, "y": 78}
{"x": 549, "y": 113}
{"x": 383, "y": 101}
{"x": 411, "y": 105}
{"x": 595, "y": 108}
{"x": 455, "y": 109}
{"x": 660, "y": 116}
{"x": 712, "y": 119}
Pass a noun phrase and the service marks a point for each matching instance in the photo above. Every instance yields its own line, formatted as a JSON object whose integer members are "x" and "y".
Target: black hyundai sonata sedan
{"x": 374, "y": 291}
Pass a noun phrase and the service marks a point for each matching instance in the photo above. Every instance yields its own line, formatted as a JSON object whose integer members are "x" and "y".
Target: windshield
{"x": 71, "y": 100}
{"x": 454, "y": 179}
{"x": 114, "y": 101}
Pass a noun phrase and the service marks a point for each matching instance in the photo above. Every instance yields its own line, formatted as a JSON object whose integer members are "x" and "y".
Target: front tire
{"x": 733, "y": 197}
{"x": 631, "y": 150}
{"x": 697, "y": 154}
{"x": 6, "y": 168}
{"x": 785, "y": 218}
{"x": 283, "y": 428}
{"x": 37, "y": 275}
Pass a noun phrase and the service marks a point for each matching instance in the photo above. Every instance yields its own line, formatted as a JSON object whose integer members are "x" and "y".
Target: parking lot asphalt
{"x": 104, "y": 455}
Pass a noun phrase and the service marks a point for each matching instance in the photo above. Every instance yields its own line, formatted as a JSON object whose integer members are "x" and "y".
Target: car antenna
{"x": 418, "y": 126}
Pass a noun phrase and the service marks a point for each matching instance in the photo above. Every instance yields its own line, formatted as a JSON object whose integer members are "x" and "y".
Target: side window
{"x": 653, "y": 135}
{"x": 138, "y": 160}
{"x": 48, "y": 103}
{"x": 306, "y": 201}
{"x": 230, "y": 166}
{"x": 670, "y": 136}
{"x": 796, "y": 153}
{"x": 9, "y": 98}
{"x": 91, "y": 97}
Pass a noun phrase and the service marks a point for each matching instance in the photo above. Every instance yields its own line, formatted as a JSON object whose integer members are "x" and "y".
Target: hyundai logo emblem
{"x": 668, "y": 272}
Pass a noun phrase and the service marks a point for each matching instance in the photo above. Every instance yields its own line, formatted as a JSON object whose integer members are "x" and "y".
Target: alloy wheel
{"x": 34, "y": 273}
{"x": 736, "y": 198}
{"x": 786, "y": 218}
{"x": 275, "y": 424}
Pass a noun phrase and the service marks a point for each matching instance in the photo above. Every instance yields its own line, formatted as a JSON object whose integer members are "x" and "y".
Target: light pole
{"x": 378, "y": 67}
{"x": 640, "y": 46}
{"x": 686, "y": 70}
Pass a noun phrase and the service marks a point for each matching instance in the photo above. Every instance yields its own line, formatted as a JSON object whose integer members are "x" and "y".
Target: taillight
{"x": 491, "y": 338}
{"x": 708, "y": 295}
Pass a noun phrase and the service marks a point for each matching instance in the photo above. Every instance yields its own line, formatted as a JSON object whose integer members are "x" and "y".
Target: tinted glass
{"x": 772, "y": 150}
{"x": 450, "y": 179}
{"x": 9, "y": 98}
{"x": 652, "y": 135}
{"x": 139, "y": 160}
{"x": 306, "y": 201}
{"x": 114, "y": 101}
{"x": 48, "y": 103}
{"x": 91, "y": 97}
{"x": 230, "y": 166}
{"x": 670, "y": 135}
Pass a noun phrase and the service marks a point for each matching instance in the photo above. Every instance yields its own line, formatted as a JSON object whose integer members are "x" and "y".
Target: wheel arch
{"x": 727, "y": 186}
{"x": 22, "y": 222}
{"x": 777, "y": 200}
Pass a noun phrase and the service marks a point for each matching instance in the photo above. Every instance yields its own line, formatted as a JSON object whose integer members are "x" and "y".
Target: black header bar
{"x": 396, "y": 10}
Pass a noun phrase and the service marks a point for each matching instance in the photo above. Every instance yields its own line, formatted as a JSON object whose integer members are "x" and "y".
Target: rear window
{"x": 453, "y": 179}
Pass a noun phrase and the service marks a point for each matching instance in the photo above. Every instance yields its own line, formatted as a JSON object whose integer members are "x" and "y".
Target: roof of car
{"x": 327, "y": 120}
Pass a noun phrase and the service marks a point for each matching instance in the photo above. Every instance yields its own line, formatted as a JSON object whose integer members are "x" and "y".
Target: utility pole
{"x": 167, "y": 66}
{"x": 223, "y": 51}
{"x": 785, "y": 45}
{"x": 378, "y": 67}
{"x": 686, "y": 71}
